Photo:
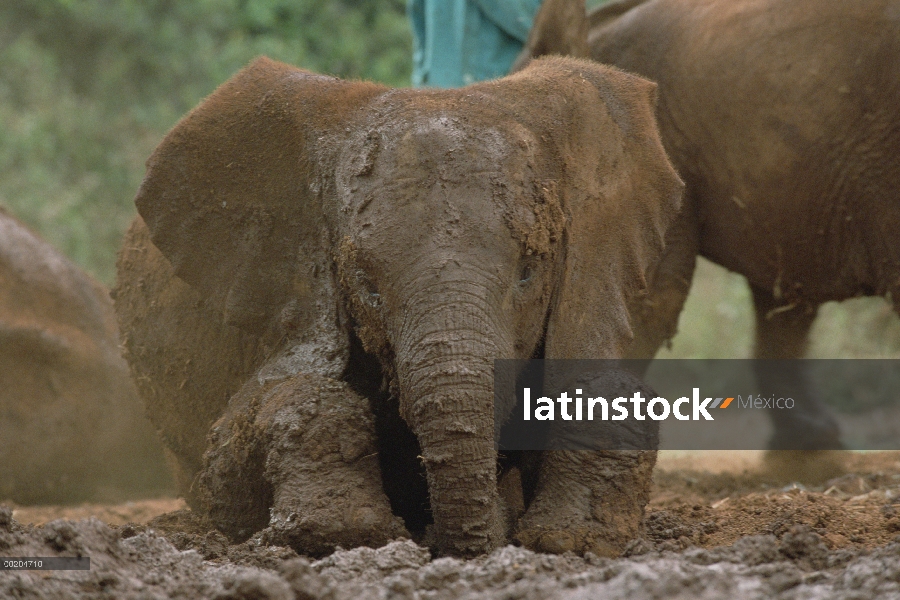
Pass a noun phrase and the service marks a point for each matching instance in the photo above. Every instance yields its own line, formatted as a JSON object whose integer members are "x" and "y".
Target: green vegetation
{"x": 89, "y": 87}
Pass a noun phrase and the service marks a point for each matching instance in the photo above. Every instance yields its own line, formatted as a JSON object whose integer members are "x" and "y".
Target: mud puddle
{"x": 718, "y": 525}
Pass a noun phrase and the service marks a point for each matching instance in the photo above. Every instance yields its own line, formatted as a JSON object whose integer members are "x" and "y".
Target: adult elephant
{"x": 313, "y": 251}
{"x": 782, "y": 118}
{"x": 71, "y": 423}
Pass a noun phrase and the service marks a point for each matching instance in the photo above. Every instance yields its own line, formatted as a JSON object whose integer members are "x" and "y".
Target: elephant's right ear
{"x": 619, "y": 192}
{"x": 232, "y": 195}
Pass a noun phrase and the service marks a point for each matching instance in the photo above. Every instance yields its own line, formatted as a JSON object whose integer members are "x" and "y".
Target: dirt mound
{"x": 126, "y": 563}
{"x": 699, "y": 507}
{"x": 718, "y": 526}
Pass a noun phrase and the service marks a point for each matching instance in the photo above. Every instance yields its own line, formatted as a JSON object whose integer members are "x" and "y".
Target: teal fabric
{"x": 458, "y": 42}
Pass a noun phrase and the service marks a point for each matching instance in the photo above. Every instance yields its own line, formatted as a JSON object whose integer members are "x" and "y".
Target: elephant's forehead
{"x": 424, "y": 149}
{"x": 453, "y": 142}
{"x": 443, "y": 134}
{"x": 420, "y": 153}
{"x": 417, "y": 125}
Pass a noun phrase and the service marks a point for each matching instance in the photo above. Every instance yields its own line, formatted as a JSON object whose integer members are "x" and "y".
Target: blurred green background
{"x": 89, "y": 87}
{"x": 717, "y": 322}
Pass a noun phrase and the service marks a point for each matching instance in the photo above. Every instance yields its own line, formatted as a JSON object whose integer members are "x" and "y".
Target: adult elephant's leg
{"x": 782, "y": 333}
{"x": 593, "y": 500}
{"x": 300, "y": 456}
{"x": 802, "y": 436}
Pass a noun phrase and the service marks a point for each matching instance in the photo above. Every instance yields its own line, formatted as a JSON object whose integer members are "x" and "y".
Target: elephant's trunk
{"x": 445, "y": 368}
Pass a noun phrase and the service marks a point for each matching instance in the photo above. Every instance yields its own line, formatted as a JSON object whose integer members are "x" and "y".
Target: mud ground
{"x": 719, "y": 525}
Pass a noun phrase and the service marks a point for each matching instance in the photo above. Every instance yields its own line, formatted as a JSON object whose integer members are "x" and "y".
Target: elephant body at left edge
{"x": 72, "y": 427}
{"x": 324, "y": 271}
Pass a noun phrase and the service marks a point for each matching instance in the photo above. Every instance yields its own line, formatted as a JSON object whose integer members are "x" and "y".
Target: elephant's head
{"x": 447, "y": 227}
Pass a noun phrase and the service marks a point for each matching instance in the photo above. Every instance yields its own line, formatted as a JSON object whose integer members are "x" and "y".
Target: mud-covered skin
{"x": 436, "y": 230}
{"x": 286, "y": 438}
{"x": 70, "y": 419}
{"x": 782, "y": 118}
{"x": 788, "y": 150}
{"x": 581, "y": 504}
{"x": 164, "y": 324}
{"x": 579, "y": 508}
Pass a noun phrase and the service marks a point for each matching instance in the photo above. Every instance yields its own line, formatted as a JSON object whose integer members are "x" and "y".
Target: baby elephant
{"x": 324, "y": 271}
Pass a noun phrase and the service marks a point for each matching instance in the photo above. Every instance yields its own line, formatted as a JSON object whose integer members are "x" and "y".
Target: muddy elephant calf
{"x": 71, "y": 423}
{"x": 325, "y": 271}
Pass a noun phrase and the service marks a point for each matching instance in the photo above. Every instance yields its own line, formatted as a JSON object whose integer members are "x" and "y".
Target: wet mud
{"x": 714, "y": 528}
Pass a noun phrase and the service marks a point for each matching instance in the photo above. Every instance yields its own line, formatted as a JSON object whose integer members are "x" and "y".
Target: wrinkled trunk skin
{"x": 444, "y": 362}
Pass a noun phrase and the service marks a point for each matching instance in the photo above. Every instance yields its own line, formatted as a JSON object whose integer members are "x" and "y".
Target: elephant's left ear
{"x": 232, "y": 195}
{"x": 619, "y": 192}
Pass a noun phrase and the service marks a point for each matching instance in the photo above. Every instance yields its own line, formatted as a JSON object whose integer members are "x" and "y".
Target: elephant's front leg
{"x": 588, "y": 501}
{"x": 593, "y": 500}
{"x": 301, "y": 450}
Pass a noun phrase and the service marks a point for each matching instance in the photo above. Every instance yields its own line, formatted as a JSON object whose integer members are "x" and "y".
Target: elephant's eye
{"x": 374, "y": 299}
{"x": 526, "y": 273}
{"x": 368, "y": 292}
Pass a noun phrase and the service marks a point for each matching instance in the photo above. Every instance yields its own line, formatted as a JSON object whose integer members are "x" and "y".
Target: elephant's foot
{"x": 230, "y": 488}
{"x": 317, "y": 510}
{"x": 588, "y": 501}
{"x": 805, "y": 447}
{"x": 317, "y": 458}
{"x": 813, "y": 429}
{"x": 806, "y": 466}
{"x": 323, "y": 468}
